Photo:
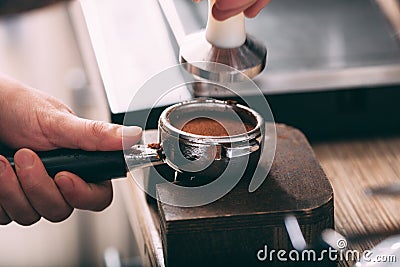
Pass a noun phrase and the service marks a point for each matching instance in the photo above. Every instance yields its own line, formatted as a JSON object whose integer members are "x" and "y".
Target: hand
{"x": 224, "y": 9}
{"x": 34, "y": 120}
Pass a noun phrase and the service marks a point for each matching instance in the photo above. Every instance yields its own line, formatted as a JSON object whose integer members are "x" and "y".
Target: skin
{"x": 224, "y": 9}
{"x": 31, "y": 120}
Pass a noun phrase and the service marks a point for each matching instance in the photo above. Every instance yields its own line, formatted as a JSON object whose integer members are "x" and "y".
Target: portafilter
{"x": 201, "y": 156}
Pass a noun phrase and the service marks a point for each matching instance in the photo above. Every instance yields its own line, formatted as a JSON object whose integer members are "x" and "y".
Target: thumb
{"x": 93, "y": 135}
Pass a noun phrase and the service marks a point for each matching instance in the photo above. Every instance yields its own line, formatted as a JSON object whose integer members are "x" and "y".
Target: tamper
{"x": 224, "y": 42}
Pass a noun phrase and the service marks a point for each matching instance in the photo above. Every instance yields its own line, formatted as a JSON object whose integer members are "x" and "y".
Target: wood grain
{"x": 353, "y": 166}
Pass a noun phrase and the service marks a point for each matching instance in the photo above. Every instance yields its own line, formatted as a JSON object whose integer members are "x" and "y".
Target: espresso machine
{"x": 332, "y": 66}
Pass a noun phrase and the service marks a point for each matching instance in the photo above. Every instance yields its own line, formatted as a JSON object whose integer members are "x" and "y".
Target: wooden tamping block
{"x": 234, "y": 228}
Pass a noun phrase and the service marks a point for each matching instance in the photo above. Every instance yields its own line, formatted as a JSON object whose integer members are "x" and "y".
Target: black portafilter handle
{"x": 91, "y": 166}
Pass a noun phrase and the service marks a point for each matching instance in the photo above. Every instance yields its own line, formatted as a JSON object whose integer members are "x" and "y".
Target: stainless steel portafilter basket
{"x": 207, "y": 157}
{"x": 200, "y": 156}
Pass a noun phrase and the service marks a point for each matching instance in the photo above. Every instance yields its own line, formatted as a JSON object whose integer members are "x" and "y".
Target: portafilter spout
{"x": 224, "y": 42}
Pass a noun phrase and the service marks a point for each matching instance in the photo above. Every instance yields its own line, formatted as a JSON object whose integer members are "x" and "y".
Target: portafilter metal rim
{"x": 255, "y": 133}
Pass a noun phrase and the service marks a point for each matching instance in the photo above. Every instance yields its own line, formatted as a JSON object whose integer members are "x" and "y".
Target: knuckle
{"x": 59, "y": 105}
{"x": 97, "y": 131}
{"x": 96, "y": 128}
{"x": 47, "y": 123}
{"x": 51, "y": 125}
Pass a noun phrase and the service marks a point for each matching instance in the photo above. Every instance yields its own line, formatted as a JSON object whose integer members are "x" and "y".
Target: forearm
{"x": 16, "y": 6}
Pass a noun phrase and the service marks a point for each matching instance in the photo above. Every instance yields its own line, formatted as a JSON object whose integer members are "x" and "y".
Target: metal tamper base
{"x": 250, "y": 58}
{"x": 224, "y": 42}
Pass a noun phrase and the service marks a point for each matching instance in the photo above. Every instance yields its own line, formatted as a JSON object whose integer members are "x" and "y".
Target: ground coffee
{"x": 210, "y": 127}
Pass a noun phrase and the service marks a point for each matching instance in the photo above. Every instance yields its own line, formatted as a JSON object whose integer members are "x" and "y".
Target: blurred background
{"x": 39, "y": 49}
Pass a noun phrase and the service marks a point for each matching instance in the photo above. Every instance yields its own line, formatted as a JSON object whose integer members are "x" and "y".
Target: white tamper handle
{"x": 230, "y": 33}
{"x": 226, "y": 43}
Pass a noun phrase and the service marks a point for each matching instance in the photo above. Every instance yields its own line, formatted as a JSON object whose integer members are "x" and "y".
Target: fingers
{"x": 224, "y": 9}
{"x": 32, "y": 194}
{"x": 39, "y": 187}
{"x": 81, "y": 195}
{"x": 74, "y": 132}
{"x": 252, "y": 11}
{"x": 225, "y": 5}
{"x": 12, "y": 197}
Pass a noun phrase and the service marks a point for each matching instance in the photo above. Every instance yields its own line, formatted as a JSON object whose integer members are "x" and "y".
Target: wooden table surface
{"x": 352, "y": 166}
